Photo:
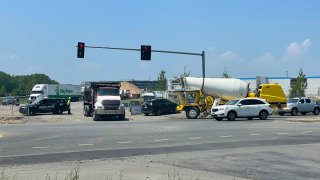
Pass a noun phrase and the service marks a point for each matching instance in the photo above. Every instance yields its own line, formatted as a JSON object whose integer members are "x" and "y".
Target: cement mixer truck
{"x": 196, "y": 96}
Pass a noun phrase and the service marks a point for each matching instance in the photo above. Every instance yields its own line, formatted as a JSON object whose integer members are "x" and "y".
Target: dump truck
{"x": 197, "y": 95}
{"x": 102, "y": 99}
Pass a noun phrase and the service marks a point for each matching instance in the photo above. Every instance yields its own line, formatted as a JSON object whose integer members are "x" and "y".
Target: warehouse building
{"x": 285, "y": 82}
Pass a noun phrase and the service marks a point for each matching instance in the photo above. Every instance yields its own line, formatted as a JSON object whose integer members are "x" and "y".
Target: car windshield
{"x": 293, "y": 100}
{"x": 37, "y": 92}
{"x": 232, "y": 102}
{"x": 108, "y": 92}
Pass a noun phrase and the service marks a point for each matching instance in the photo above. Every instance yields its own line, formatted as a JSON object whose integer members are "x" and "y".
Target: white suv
{"x": 246, "y": 107}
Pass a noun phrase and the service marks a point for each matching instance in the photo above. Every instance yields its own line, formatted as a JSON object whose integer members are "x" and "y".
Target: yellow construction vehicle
{"x": 195, "y": 101}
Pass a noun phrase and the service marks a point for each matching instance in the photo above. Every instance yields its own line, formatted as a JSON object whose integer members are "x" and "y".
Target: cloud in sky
{"x": 265, "y": 58}
{"x": 227, "y": 56}
{"x": 296, "y": 50}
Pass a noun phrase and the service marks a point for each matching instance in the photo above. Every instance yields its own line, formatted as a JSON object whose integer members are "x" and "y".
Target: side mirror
{"x": 239, "y": 104}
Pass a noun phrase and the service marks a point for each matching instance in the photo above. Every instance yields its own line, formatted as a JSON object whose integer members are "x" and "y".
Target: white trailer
{"x": 56, "y": 91}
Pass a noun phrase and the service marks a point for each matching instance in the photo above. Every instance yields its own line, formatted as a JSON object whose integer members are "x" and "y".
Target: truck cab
{"x": 38, "y": 92}
{"x": 301, "y": 105}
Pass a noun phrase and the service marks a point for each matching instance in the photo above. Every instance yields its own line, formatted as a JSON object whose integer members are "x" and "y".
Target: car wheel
{"x": 263, "y": 115}
{"x": 146, "y": 114}
{"x": 281, "y": 113}
{"x": 303, "y": 113}
{"x": 250, "y": 118}
{"x": 192, "y": 113}
{"x": 158, "y": 113}
{"x": 218, "y": 118}
{"x": 232, "y": 115}
{"x": 294, "y": 112}
{"x": 316, "y": 111}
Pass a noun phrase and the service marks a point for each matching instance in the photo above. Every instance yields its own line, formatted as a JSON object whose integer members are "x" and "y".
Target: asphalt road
{"x": 47, "y": 143}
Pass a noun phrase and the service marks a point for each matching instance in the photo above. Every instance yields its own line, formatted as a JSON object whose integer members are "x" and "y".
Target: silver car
{"x": 8, "y": 100}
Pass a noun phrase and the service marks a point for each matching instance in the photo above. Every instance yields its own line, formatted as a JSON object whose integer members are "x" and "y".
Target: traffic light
{"x": 145, "y": 52}
{"x": 80, "y": 53}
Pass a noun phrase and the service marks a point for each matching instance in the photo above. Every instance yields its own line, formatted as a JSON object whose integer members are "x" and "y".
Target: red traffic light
{"x": 80, "y": 52}
{"x": 145, "y": 52}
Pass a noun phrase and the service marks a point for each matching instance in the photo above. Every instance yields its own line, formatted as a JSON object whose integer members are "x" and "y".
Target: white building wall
{"x": 311, "y": 91}
{"x": 313, "y": 86}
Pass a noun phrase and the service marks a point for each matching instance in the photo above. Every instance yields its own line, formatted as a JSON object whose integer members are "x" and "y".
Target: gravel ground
{"x": 10, "y": 115}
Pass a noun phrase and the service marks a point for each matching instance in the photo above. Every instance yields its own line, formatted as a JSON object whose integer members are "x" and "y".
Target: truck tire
{"x": 121, "y": 117}
{"x": 95, "y": 117}
{"x": 316, "y": 111}
{"x": 192, "y": 113}
{"x": 232, "y": 115}
{"x": 294, "y": 112}
{"x": 263, "y": 115}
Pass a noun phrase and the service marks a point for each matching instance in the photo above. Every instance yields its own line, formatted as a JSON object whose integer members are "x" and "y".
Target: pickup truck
{"x": 301, "y": 105}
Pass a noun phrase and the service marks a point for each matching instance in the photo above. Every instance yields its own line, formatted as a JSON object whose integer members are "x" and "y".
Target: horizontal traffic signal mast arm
{"x": 133, "y": 49}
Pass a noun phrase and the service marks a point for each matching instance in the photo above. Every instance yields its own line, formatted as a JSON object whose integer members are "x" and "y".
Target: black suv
{"x": 158, "y": 107}
{"x": 46, "y": 105}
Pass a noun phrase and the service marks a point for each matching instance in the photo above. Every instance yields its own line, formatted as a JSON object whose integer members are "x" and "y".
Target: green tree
{"x": 162, "y": 81}
{"x": 299, "y": 85}
{"x": 22, "y": 85}
{"x": 225, "y": 74}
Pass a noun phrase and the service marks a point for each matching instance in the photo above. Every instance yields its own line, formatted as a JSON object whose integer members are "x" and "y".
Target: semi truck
{"x": 102, "y": 99}
{"x": 197, "y": 95}
{"x": 56, "y": 91}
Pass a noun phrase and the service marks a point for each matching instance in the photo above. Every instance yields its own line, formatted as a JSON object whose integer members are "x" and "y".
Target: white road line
{"x": 281, "y": 133}
{"x": 159, "y": 140}
{"x": 193, "y": 138}
{"x": 255, "y": 134}
{"x": 308, "y": 132}
{"x": 226, "y": 136}
{"x": 41, "y": 147}
{"x": 85, "y": 144}
{"x": 125, "y": 142}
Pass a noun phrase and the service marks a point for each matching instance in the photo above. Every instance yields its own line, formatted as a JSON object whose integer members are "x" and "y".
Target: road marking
{"x": 125, "y": 142}
{"x": 255, "y": 134}
{"x": 41, "y": 147}
{"x": 281, "y": 133}
{"x": 159, "y": 140}
{"x": 85, "y": 144}
{"x": 1, "y": 135}
{"x": 308, "y": 132}
{"x": 193, "y": 138}
{"x": 226, "y": 136}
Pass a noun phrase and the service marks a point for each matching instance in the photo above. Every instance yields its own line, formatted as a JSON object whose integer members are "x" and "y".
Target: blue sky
{"x": 249, "y": 38}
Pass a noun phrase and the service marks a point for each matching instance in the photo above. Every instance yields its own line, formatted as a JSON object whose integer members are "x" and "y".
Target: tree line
{"x": 21, "y": 85}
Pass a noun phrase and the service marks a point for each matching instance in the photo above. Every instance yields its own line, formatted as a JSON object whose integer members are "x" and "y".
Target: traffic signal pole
{"x": 202, "y": 54}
